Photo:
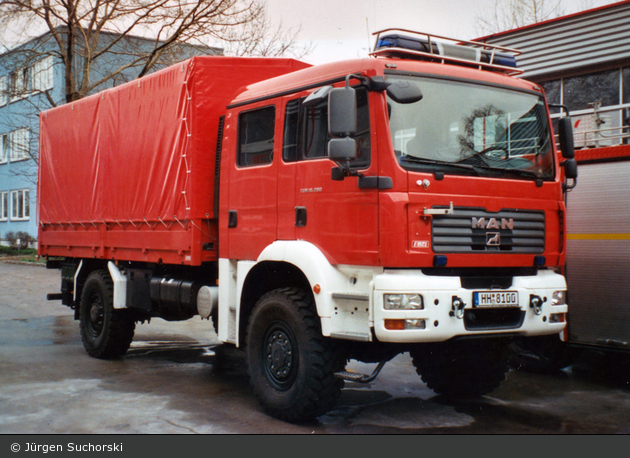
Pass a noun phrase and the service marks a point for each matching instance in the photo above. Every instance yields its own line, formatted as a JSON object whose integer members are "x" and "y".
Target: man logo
{"x": 493, "y": 239}
{"x": 492, "y": 223}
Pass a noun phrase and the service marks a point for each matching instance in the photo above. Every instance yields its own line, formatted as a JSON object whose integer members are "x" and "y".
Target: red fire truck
{"x": 410, "y": 201}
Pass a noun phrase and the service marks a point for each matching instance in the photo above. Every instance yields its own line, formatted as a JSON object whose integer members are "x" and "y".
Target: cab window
{"x": 255, "y": 136}
{"x": 306, "y": 131}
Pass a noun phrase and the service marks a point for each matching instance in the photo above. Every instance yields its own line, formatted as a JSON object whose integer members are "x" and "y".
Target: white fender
{"x": 334, "y": 287}
{"x": 120, "y": 286}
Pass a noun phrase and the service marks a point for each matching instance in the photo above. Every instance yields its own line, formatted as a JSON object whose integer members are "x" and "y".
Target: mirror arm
{"x": 567, "y": 187}
{"x": 561, "y": 106}
{"x": 343, "y": 170}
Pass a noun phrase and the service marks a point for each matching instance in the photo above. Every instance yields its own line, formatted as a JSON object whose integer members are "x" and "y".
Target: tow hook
{"x": 536, "y": 303}
{"x": 458, "y": 307}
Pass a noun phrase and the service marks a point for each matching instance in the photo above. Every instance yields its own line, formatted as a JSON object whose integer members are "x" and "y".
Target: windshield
{"x": 465, "y": 128}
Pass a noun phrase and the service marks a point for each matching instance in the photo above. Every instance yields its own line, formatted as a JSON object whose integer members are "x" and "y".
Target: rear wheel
{"x": 105, "y": 332}
{"x": 462, "y": 368}
{"x": 291, "y": 365}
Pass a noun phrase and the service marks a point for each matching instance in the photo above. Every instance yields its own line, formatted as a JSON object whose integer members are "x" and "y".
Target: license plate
{"x": 495, "y": 299}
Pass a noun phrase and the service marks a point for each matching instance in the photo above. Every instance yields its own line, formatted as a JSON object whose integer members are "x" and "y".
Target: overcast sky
{"x": 341, "y": 29}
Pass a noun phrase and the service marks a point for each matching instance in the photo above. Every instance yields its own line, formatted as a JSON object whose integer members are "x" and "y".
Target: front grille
{"x": 476, "y": 230}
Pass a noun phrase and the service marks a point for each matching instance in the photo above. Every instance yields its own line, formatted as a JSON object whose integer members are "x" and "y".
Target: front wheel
{"x": 541, "y": 354}
{"x": 291, "y": 365}
{"x": 105, "y": 332}
{"x": 462, "y": 368}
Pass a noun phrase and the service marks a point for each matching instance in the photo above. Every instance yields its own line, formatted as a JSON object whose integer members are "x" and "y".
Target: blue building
{"x": 32, "y": 80}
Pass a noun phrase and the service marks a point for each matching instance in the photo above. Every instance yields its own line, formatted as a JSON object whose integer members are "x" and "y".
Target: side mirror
{"x": 342, "y": 112}
{"x": 565, "y": 133}
{"x": 342, "y": 149}
{"x": 404, "y": 92}
{"x": 570, "y": 169}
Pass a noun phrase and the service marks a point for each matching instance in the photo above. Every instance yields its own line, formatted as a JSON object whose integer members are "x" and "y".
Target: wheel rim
{"x": 96, "y": 317}
{"x": 280, "y": 357}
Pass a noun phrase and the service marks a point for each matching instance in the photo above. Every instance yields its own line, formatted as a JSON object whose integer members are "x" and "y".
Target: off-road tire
{"x": 105, "y": 332}
{"x": 291, "y": 365}
{"x": 462, "y": 368}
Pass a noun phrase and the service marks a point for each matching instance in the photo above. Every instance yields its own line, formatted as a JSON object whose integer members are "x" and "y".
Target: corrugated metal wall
{"x": 596, "y": 37}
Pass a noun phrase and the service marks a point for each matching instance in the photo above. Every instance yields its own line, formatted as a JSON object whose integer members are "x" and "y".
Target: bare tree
{"x": 265, "y": 40}
{"x": 512, "y": 14}
{"x": 103, "y": 43}
{"x": 85, "y": 32}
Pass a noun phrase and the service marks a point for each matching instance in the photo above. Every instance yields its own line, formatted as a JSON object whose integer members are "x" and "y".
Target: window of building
{"x": 553, "y": 91}
{"x": 20, "y": 83}
{"x": 4, "y": 148}
{"x": 255, "y": 136}
{"x": 20, "y": 205}
{"x": 4, "y": 206}
{"x": 4, "y": 98}
{"x": 31, "y": 79}
{"x": 43, "y": 74}
{"x": 582, "y": 91}
{"x": 306, "y": 131}
{"x": 20, "y": 144}
{"x": 626, "y": 85}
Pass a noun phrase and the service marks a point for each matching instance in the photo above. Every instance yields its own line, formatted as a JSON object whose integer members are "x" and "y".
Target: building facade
{"x": 583, "y": 62}
{"x": 32, "y": 80}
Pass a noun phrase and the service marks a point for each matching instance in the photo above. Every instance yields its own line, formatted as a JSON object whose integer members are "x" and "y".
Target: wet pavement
{"x": 177, "y": 379}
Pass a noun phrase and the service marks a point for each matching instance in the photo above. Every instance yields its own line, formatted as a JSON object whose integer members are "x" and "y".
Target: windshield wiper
{"x": 422, "y": 160}
{"x": 523, "y": 173}
{"x": 479, "y": 155}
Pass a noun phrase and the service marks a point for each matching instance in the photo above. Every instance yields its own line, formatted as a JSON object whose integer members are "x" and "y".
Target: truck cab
{"x": 427, "y": 211}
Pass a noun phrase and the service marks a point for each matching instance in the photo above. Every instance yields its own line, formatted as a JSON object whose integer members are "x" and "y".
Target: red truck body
{"x": 129, "y": 173}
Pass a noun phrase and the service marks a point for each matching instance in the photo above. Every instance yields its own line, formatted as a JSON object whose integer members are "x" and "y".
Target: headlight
{"x": 558, "y": 298}
{"x": 403, "y": 302}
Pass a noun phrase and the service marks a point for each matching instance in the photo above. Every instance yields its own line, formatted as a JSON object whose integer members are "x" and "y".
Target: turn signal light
{"x": 401, "y": 325}
{"x": 395, "y": 325}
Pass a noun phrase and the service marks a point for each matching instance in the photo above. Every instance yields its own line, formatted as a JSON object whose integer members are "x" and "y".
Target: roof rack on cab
{"x": 425, "y": 46}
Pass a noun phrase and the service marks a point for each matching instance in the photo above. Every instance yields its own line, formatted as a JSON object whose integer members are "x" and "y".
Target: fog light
{"x": 400, "y": 325}
{"x": 558, "y": 298}
{"x": 403, "y": 302}
{"x": 557, "y": 318}
{"x": 415, "y": 324}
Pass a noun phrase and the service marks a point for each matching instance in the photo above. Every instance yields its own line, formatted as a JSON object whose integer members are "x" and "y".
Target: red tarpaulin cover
{"x": 140, "y": 157}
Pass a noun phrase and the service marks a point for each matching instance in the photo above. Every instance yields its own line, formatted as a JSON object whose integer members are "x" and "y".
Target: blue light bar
{"x": 424, "y": 46}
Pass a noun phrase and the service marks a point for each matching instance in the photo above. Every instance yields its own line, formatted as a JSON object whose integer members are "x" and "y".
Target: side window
{"x": 315, "y": 131}
{"x": 290, "y": 146}
{"x": 306, "y": 131}
{"x": 255, "y": 136}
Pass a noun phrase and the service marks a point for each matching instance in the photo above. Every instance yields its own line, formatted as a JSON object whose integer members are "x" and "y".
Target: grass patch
{"x": 24, "y": 254}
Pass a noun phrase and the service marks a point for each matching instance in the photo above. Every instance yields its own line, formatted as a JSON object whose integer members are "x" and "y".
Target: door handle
{"x": 300, "y": 216}
{"x": 232, "y": 218}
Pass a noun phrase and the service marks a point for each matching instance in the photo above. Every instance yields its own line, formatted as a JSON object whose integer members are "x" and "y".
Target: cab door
{"x": 252, "y": 217}
{"x": 336, "y": 216}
